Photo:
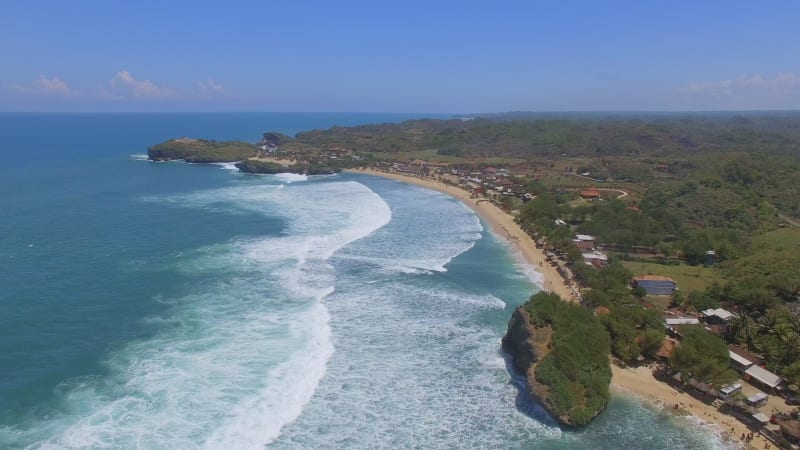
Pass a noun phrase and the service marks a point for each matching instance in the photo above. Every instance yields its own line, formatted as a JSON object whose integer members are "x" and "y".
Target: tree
{"x": 650, "y": 341}
{"x": 677, "y": 299}
{"x": 744, "y": 330}
{"x": 703, "y": 356}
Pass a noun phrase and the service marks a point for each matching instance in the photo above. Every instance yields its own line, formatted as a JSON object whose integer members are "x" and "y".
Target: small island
{"x": 562, "y": 349}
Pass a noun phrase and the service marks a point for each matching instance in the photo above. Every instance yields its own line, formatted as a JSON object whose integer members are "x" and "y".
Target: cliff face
{"x": 528, "y": 345}
{"x": 519, "y": 341}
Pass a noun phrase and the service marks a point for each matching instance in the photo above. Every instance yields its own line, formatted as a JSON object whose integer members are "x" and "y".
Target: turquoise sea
{"x": 176, "y": 306}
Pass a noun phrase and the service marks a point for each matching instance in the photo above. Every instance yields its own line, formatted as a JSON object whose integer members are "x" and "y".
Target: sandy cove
{"x": 636, "y": 381}
{"x": 640, "y": 382}
{"x": 502, "y": 224}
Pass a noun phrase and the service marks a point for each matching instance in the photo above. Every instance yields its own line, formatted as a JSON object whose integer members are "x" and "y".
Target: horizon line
{"x": 571, "y": 111}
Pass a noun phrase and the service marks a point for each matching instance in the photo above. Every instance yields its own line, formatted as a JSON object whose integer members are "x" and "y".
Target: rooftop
{"x": 764, "y": 376}
{"x": 682, "y": 321}
{"x": 741, "y": 360}
{"x": 723, "y": 314}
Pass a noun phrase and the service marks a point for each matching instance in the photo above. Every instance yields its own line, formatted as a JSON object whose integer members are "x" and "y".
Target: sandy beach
{"x": 640, "y": 382}
{"x": 502, "y": 224}
{"x": 637, "y": 381}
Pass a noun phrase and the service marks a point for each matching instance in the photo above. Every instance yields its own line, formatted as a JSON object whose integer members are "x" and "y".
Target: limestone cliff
{"x": 571, "y": 396}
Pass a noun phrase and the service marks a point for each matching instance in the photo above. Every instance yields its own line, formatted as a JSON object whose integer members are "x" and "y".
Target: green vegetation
{"x": 268, "y": 167}
{"x": 634, "y": 329}
{"x": 703, "y": 356}
{"x": 689, "y": 278}
{"x": 201, "y": 151}
{"x": 265, "y": 167}
{"x": 576, "y": 369}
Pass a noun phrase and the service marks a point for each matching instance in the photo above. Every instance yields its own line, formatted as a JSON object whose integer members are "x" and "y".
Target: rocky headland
{"x": 563, "y": 352}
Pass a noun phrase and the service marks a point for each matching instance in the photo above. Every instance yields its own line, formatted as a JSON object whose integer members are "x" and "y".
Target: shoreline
{"x": 636, "y": 381}
{"x": 502, "y": 224}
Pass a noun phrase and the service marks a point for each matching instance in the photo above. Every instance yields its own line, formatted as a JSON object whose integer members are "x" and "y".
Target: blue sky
{"x": 410, "y": 56}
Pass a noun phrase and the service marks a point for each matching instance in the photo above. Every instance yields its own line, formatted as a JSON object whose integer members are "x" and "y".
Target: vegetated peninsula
{"x": 248, "y": 157}
{"x": 201, "y": 151}
{"x": 562, "y": 349}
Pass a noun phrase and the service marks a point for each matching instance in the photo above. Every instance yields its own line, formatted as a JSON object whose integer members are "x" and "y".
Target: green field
{"x": 689, "y": 278}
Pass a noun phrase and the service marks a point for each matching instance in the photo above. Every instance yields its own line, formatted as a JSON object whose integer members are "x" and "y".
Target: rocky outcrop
{"x": 519, "y": 341}
{"x": 528, "y": 345}
{"x": 268, "y": 167}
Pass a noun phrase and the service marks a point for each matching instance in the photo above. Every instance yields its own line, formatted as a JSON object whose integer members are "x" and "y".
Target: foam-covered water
{"x": 185, "y": 306}
{"x": 238, "y": 357}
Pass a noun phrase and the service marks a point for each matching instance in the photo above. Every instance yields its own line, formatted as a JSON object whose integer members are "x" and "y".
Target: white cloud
{"x": 746, "y": 85}
{"x": 46, "y": 86}
{"x": 209, "y": 87}
{"x": 126, "y": 85}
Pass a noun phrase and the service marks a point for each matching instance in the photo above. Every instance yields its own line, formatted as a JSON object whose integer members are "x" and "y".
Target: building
{"x": 739, "y": 362}
{"x": 655, "y": 284}
{"x": 762, "y": 377}
{"x": 730, "y": 389}
{"x": 584, "y": 242}
{"x": 590, "y": 193}
{"x": 718, "y": 316}
{"x": 672, "y": 321}
{"x": 595, "y": 257}
{"x": 671, "y": 324}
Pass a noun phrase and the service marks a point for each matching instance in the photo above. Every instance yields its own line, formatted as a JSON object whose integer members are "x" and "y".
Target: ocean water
{"x": 170, "y": 305}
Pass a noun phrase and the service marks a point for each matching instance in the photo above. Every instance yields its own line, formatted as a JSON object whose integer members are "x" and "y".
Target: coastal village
{"x": 759, "y": 399}
{"x": 759, "y": 406}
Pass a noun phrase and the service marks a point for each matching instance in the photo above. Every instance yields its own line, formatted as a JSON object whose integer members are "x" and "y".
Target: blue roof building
{"x": 656, "y": 285}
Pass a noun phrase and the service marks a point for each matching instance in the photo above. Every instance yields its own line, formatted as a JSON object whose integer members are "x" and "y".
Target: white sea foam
{"x": 291, "y": 177}
{"x": 227, "y": 165}
{"x": 236, "y": 359}
{"x": 139, "y": 157}
{"x": 428, "y": 241}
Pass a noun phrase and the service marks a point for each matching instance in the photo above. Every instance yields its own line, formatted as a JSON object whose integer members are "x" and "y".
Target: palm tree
{"x": 744, "y": 330}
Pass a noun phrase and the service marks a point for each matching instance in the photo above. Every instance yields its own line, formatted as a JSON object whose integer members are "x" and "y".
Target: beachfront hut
{"x": 761, "y": 419}
{"x": 762, "y": 377}
{"x": 656, "y": 284}
{"x": 758, "y": 399}
{"x": 730, "y": 389}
